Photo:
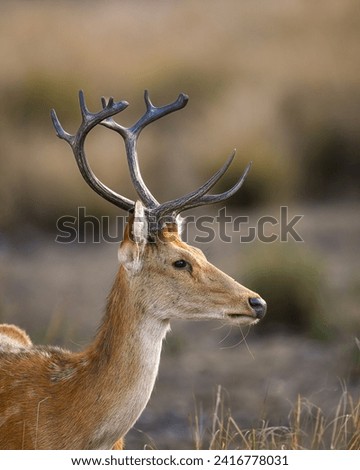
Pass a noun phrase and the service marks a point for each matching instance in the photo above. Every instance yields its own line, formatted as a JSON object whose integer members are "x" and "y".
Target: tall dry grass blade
{"x": 240, "y": 433}
{"x": 216, "y": 409}
{"x": 318, "y": 434}
{"x": 338, "y": 421}
{"x": 295, "y": 441}
{"x": 197, "y": 428}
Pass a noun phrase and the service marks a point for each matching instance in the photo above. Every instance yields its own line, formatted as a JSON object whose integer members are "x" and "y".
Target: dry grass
{"x": 307, "y": 428}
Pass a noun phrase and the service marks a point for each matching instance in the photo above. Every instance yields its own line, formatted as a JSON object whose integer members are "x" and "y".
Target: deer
{"x": 52, "y": 398}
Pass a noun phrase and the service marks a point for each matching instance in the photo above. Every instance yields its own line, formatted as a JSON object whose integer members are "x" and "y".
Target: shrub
{"x": 322, "y": 132}
{"x": 271, "y": 178}
{"x": 290, "y": 279}
{"x": 34, "y": 96}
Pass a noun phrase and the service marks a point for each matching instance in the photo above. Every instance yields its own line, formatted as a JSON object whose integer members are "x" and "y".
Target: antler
{"x": 199, "y": 197}
{"x": 131, "y": 134}
{"x": 77, "y": 141}
{"x": 104, "y": 117}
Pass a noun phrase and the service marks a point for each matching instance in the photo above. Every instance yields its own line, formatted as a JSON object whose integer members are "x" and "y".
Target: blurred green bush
{"x": 291, "y": 280}
{"x": 271, "y": 180}
{"x": 32, "y": 98}
{"x": 322, "y": 129}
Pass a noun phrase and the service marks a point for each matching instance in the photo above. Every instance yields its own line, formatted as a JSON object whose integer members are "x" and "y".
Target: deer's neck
{"x": 122, "y": 362}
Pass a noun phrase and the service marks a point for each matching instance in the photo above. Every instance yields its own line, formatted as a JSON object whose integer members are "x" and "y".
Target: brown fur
{"x": 119, "y": 445}
{"x": 14, "y": 335}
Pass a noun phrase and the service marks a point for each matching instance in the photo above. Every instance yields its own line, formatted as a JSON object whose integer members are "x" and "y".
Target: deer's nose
{"x": 259, "y": 306}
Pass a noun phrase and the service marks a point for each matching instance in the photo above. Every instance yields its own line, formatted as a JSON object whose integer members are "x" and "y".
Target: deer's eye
{"x": 181, "y": 264}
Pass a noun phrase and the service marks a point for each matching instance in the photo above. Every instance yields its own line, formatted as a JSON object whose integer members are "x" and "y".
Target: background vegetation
{"x": 278, "y": 80}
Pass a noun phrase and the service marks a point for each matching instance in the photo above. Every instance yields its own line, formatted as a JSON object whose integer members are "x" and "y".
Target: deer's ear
{"x": 130, "y": 255}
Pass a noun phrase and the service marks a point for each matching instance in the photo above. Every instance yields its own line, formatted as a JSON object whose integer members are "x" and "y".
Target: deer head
{"x": 167, "y": 278}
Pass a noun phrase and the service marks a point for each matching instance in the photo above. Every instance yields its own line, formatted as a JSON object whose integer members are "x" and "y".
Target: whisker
{"x": 219, "y": 327}
{"x": 226, "y": 336}
{"x": 246, "y": 343}
{"x": 242, "y": 340}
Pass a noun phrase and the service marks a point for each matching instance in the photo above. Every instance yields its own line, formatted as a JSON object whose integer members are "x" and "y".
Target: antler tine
{"x": 60, "y": 132}
{"x": 178, "y": 205}
{"x": 153, "y": 112}
{"x": 131, "y": 134}
{"x": 199, "y": 197}
{"x": 110, "y": 123}
{"x": 214, "y": 198}
{"x": 77, "y": 141}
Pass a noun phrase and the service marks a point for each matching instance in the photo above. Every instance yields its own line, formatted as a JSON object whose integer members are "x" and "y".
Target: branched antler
{"x": 131, "y": 134}
{"x": 77, "y": 141}
{"x": 104, "y": 117}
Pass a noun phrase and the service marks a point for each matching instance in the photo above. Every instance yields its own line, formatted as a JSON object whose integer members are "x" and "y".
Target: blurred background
{"x": 278, "y": 80}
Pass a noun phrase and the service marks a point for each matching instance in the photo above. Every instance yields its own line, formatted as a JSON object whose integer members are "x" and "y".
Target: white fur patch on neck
{"x": 140, "y": 225}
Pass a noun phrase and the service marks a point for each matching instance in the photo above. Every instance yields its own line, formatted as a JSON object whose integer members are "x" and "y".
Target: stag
{"x": 51, "y": 398}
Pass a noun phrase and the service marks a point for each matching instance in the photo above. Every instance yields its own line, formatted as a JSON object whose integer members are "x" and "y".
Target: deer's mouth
{"x": 252, "y": 315}
{"x": 242, "y": 317}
